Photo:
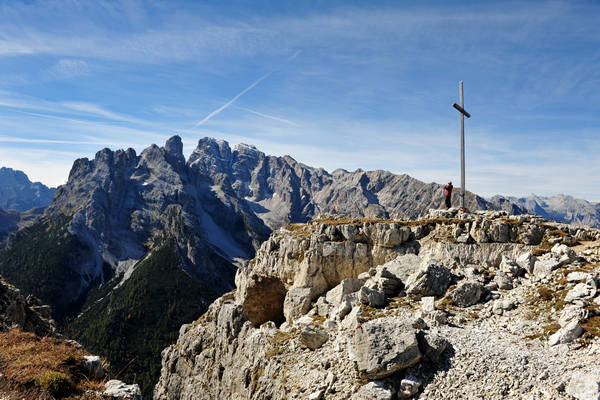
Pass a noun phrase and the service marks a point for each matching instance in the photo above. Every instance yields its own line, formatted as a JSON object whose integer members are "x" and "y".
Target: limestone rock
{"x": 432, "y": 346}
{"x": 383, "y": 347}
{"x": 347, "y": 286}
{"x": 93, "y": 366}
{"x": 566, "y": 334}
{"x": 584, "y": 386}
{"x": 526, "y": 261}
{"x": 297, "y": 302}
{"x": 376, "y": 390}
{"x": 583, "y": 290}
{"x": 373, "y": 298}
{"x": 313, "y": 337}
{"x": 118, "y": 389}
{"x": 409, "y": 386}
{"x": 428, "y": 304}
{"x": 431, "y": 280}
{"x": 466, "y": 294}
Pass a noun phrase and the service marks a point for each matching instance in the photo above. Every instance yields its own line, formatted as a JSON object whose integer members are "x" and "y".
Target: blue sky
{"x": 334, "y": 84}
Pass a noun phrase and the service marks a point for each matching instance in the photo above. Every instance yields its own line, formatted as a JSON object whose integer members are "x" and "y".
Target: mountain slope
{"x": 17, "y": 192}
{"x": 560, "y": 208}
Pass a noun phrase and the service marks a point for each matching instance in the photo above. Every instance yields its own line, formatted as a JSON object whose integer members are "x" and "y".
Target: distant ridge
{"x": 18, "y": 193}
{"x": 560, "y": 207}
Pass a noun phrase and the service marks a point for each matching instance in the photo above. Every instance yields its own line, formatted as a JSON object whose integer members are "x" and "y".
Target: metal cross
{"x": 463, "y": 113}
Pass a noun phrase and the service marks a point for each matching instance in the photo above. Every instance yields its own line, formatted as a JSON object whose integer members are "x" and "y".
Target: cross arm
{"x": 461, "y": 110}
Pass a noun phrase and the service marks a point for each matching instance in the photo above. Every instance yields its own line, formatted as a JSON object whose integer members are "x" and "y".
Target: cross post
{"x": 463, "y": 113}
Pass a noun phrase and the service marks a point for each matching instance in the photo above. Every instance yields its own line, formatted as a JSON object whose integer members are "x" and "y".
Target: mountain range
{"x": 132, "y": 246}
{"x": 561, "y": 208}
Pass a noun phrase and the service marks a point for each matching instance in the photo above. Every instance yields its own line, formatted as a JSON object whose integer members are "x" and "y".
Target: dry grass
{"x": 27, "y": 359}
{"x": 279, "y": 343}
{"x": 361, "y": 221}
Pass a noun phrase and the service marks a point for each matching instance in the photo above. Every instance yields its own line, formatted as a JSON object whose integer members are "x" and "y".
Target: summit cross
{"x": 463, "y": 113}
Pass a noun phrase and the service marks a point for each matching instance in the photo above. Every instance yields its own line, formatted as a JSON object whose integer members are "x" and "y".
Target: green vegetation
{"x": 40, "y": 262}
{"x": 132, "y": 324}
{"x": 56, "y": 383}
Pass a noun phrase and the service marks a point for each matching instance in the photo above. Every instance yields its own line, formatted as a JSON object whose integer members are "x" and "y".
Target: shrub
{"x": 56, "y": 384}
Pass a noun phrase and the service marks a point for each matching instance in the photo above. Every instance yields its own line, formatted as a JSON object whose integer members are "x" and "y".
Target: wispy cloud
{"x": 69, "y": 68}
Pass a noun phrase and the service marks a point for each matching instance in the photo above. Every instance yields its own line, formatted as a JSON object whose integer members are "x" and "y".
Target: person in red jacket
{"x": 448, "y": 191}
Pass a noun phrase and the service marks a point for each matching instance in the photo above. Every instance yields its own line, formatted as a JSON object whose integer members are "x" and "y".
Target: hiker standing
{"x": 448, "y": 191}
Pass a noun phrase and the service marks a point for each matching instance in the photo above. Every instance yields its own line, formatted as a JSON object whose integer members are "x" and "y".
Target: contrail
{"x": 230, "y": 102}
{"x": 286, "y": 121}
{"x": 243, "y": 92}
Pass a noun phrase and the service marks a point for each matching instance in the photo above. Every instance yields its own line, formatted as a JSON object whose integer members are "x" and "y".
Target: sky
{"x": 334, "y": 84}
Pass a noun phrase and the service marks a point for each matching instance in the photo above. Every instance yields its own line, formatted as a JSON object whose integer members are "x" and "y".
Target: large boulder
{"x": 466, "y": 294}
{"x": 431, "y": 280}
{"x": 402, "y": 267}
{"x": 337, "y": 294}
{"x": 297, "y": 302}
{"x": 382, "y": 347}
{"x": 313, "y": 337}
{"x": 432, "y": 346}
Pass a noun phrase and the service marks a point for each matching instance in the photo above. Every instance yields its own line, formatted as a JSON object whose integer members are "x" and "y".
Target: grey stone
{"x": 428, "y": 304}
{"x": 409, "y": 386}
{"x": 383, "y": 347}
{"x": 532, "y": 235}
{"x": 503, "y": 281}
{"x": 297, "y": 302}
{"x": 432, "y": 280}
{"x": 582, "y": 290}
{"x": 93, "y": 366}
{"x": 526, "y": 261}
{"x": 116, "y": 388}
{"x": 318, "y": 395}
{"x": 374, "y": 391}
{"x": 313, "y": 337}
{"x": 347, "y": 286}
{"x": 584, "y": 385}
{"x": 373, "y": 298}
{"x": 432, "y": 346}
{"x": 466, "y": 294}
{"x": 579, "y": 276}
{"x": 566, "y": 334}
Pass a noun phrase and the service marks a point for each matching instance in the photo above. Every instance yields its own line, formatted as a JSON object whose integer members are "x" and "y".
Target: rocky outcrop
{"x": 323, "y": 336}
{"x": 26, "y": 314}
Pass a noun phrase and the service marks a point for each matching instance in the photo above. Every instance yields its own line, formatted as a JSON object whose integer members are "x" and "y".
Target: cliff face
{"x": 481, "y": 305}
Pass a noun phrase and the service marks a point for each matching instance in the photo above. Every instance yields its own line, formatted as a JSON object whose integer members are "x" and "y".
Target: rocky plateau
{"x": 481, "y": 305}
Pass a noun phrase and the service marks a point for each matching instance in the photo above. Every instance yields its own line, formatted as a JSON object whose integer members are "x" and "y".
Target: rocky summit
{"x": 481, "y": 305}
